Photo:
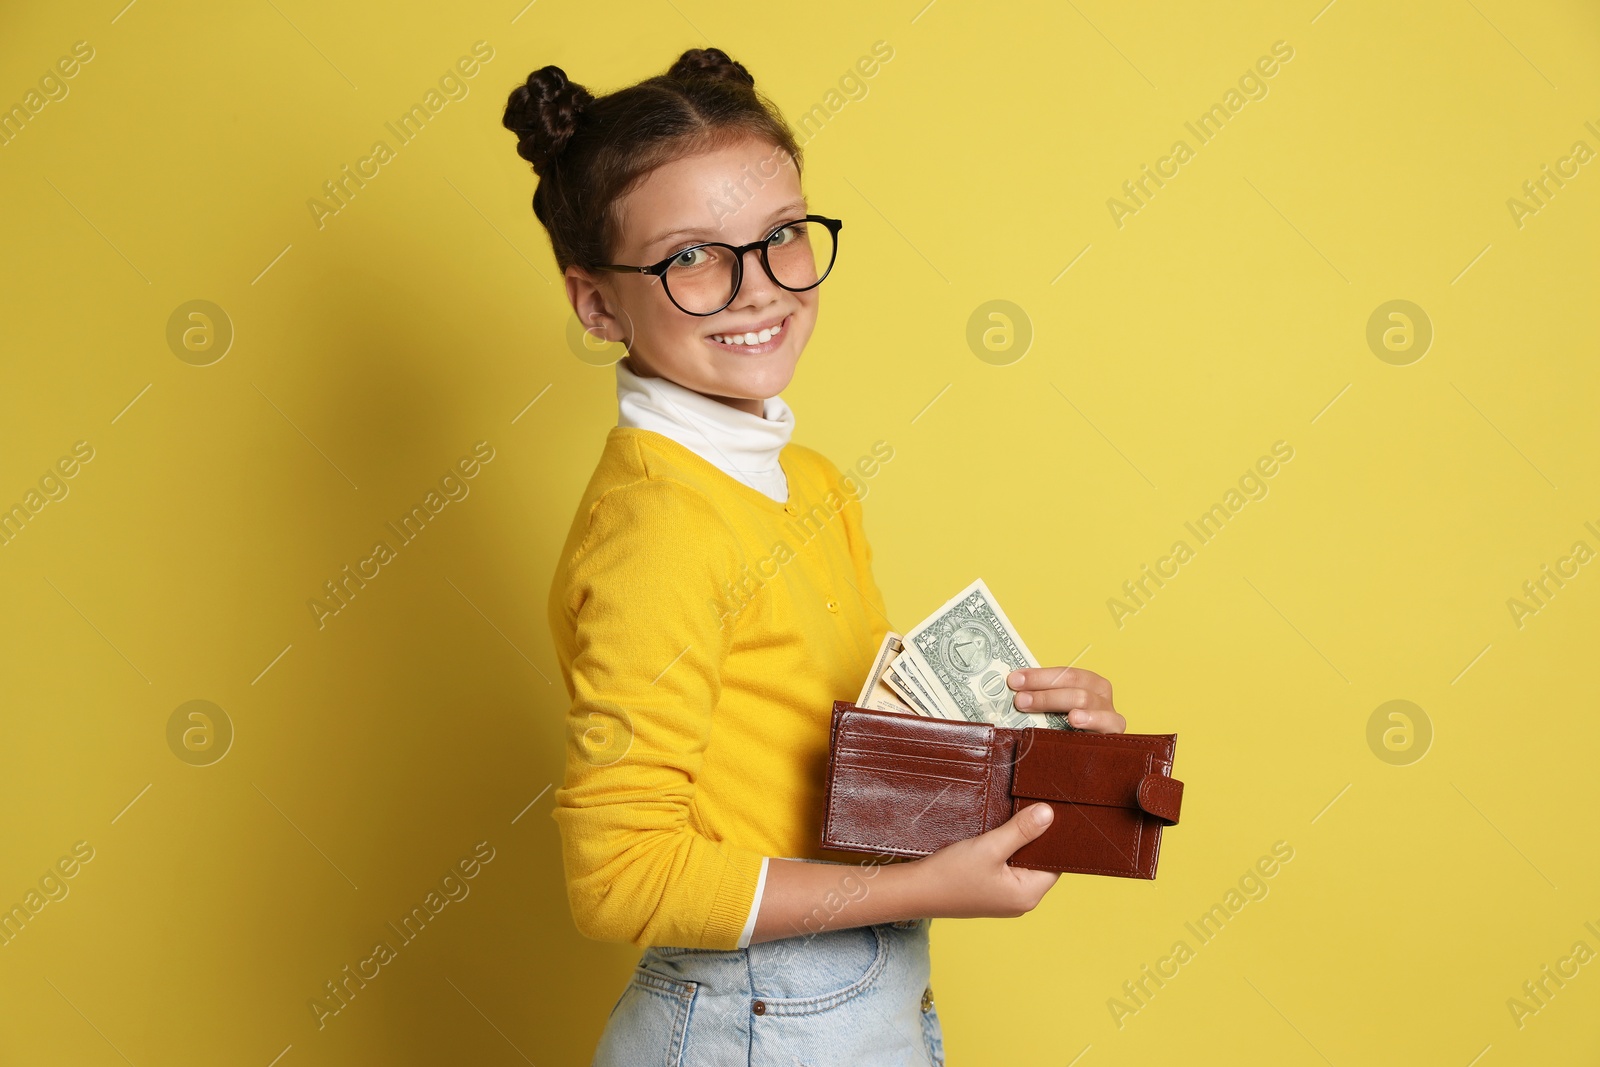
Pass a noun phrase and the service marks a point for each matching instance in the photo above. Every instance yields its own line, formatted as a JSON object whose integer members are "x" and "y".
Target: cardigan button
{"x": 833, "y": 605}
{"x": 793, "y": 509}
{"x": 759, "y": 1007}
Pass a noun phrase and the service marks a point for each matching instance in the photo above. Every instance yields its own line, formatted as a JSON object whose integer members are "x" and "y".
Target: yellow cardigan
{"x": 703, "y": 632}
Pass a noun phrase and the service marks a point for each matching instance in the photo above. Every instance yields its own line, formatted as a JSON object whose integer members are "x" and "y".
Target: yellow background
{"x": 1229, "y": 313}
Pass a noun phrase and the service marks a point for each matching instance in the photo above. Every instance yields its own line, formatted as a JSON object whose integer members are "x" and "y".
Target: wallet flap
{"x": 1162, "y": 797}
{"x": 1075, "y": 770}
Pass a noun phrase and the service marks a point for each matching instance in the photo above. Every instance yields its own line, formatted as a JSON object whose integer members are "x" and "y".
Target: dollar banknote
{"x": 905, "y": 667}
{"x": 918, "y": 694}
{"x": 886, "y": 689}
{"x": 877, "y": 693}
{"x": 954, "y": 664}
{"x": 963, "y": 653}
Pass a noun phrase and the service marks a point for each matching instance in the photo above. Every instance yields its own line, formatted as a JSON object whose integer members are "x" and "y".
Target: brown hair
{"x": 590, "y": 151}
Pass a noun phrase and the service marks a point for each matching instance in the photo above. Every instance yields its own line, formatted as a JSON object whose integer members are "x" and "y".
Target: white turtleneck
{"x": 741, "y": 444}
{"x": 744, "y": 445}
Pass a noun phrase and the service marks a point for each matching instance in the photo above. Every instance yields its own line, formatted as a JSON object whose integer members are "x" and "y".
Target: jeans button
{"x": 759, "y": 1007}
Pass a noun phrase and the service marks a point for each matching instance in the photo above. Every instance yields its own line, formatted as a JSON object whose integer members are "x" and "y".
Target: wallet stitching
{"x": 1138, "y": 837}
{"x": 877, "y": 846}
{"x": 833, "y": 800}
{"x": 847, "y": 753}
{"x": 1161, "y": 749}
{"x": 915, "y": 774}
{"x": 1138, "y": 869}
{"x": 848, "y": 737}
{"x": 988, "y": 777}
{"x": 1163, "y": 784}
{"x": 960, "y": 729}
{"x": 828, "y": 816}
{"x": 1148, "y": 756}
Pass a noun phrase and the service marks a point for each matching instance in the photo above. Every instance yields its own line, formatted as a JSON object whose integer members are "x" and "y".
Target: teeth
{"x": 749, "y": 338}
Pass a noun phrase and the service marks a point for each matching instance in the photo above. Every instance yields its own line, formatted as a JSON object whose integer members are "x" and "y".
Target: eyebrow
{"x": 784, "y": 212}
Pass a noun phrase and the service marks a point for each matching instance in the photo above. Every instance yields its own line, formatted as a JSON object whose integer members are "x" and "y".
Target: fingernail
{"x": 1024, "y": 699}
{"x": 1014, "y": 679}
{"x": 1042, "y": 815}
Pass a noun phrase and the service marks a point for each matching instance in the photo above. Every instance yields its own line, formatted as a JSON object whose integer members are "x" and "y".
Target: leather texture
{"x": 907, "y": 785}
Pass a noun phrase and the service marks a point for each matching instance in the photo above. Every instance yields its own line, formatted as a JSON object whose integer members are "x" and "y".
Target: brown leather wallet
{"x": 907, "y": 785}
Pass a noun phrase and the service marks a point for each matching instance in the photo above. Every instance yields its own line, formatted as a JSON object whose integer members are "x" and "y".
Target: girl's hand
{"x": 969, "y": 879}
{"x": 1082, "y": 694}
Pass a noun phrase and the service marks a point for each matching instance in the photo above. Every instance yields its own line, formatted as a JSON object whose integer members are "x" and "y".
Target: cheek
{"x": 670, "y": 339}
{"x": 804, "y": 319}
{"x": 653, "y": 321}
{"x": 677, "y": 328}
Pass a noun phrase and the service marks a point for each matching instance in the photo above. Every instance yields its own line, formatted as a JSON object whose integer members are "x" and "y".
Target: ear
{"x": 595, "y": 306}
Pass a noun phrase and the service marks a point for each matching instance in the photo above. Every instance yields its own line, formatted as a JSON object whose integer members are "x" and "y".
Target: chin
{"x": 748, "y": 377}
{"x": 756, "y": 382}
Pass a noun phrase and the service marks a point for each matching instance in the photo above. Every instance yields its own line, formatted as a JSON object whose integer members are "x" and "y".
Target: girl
{"x": 715, "y": 596}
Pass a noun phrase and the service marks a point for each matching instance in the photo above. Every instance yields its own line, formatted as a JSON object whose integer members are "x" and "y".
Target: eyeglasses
{"x": 703, "y": 279}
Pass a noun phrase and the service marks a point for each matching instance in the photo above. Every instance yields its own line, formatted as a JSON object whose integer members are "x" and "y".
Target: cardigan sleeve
{"x": 755, "y": 908}
{"x": 645, "y": 678}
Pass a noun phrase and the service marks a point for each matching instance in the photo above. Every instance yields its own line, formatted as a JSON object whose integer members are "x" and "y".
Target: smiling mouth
{"x": 753, "y": 342}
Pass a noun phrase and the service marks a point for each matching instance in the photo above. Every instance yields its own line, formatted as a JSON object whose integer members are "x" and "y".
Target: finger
{"x": 1034, "y": 882}
{"x": 1040, "y": 677}
{"x": 1025, "y": 678}
{"x": 1099, "y": 721}
{"x": 1057, "y": 700}
{"x": 1021, "y": 828}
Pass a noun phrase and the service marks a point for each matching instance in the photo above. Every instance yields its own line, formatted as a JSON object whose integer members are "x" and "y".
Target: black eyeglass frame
{"x": 659, "y": 270}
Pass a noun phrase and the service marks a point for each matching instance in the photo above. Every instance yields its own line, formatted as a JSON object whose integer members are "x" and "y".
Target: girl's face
{"x": 717, "y": 195}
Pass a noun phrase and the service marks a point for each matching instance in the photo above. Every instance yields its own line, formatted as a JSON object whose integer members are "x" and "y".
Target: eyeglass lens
{"x": 700, "y": 280}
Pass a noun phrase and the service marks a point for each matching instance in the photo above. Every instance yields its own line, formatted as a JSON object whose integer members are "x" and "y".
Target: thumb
{"x": 1023, "y": 827}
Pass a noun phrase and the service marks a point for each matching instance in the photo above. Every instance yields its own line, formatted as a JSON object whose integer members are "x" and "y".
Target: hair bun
{"x": 711, "y": 63}
{"x": 544, "y": 115}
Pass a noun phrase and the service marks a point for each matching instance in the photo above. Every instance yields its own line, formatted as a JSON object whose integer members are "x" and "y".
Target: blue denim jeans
{"x": 859, "y": 997}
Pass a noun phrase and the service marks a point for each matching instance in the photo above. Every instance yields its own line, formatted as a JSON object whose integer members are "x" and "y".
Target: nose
{"x": 754, "y": 281}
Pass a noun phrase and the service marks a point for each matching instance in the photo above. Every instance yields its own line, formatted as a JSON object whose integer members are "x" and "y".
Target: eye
{"x": 690, "y": 257}
{"x": 795, "y": 231}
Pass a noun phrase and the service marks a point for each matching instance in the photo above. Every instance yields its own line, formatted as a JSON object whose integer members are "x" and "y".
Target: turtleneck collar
{"x": 744, "y": 445}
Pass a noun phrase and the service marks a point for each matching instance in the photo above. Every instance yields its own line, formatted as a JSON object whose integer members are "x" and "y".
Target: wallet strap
{"x": 1161, "y": 796}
